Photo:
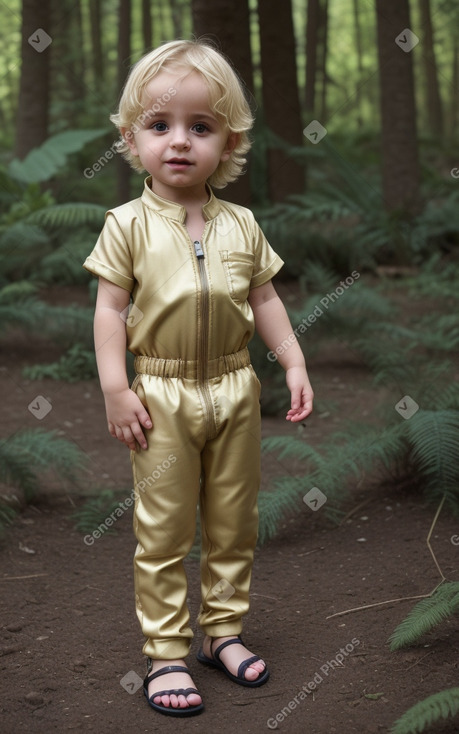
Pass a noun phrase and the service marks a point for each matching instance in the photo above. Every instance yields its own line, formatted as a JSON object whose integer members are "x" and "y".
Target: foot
{"x": 232, "y": 656}
{"x": 172, "y": 680}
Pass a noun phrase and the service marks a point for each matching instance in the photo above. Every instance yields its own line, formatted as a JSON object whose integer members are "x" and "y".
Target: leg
{"x": 167, "y": 480}
{"x": 229, "y": 518}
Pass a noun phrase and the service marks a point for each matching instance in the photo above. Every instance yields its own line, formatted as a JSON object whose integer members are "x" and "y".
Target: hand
{"x": 301, "y": 394}
{"x": 126, "y": 415}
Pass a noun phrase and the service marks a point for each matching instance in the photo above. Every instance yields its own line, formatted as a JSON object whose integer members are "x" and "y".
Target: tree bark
{"x": 33, "y": 103}
{"x": 98, "y": 65}
{"x": 227, "y": 23}
{"x": 400, "y": 164}
{"x": 147, "y": 27}
{"x": 312, "y": 34}
{"x": 433, "y": 99}
{"x": 281, "y": 103}
{"x": 124, "y": 53}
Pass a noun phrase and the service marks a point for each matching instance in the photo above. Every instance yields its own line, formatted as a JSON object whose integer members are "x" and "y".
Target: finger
{"x": 296, "y": 398}
{"x": 144, "y": 419}
{"x": 128, "y": 438}
{"x": 139, "y": 435}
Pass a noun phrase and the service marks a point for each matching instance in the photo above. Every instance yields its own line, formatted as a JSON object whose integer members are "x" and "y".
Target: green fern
{"x": 68, "y": 215}
{"x": 439, "y": 706}
{"x": 26, "y": 457}
{"x": 95, "y": 511}
{"x": 7, "y": 516}
{"x": 426, "y": 614}
{"x": 434, "y": 440}
{"x": 76, "y": 364}
{"x": 44, "y": 162}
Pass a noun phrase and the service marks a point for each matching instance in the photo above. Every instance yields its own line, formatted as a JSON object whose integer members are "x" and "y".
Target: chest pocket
{"x": 238, "y": 267}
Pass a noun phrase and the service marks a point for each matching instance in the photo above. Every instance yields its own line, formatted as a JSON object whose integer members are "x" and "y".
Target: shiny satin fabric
{"x": 189, "y": 307}
{"x": 145, "y": 248}
{"x": 182, "y": 467}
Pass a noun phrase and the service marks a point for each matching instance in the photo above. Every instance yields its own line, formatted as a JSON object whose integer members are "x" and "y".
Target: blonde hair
{"x": 226, "y": 98}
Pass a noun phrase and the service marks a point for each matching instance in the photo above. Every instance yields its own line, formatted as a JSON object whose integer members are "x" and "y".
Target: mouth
{"x": 178, "y": 162}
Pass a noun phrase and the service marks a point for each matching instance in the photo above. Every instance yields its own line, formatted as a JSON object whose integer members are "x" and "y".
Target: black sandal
{"x": 239, "y": 678}
{"x": 170, "y": 710}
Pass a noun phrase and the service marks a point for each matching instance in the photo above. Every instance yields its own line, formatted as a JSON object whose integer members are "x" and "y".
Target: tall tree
{"x": 359, "y": 52}
{"x": 228, "y": 23}
{"x": 312, "y": 37}
{"x": 281, "y": 104}
{"x": 33, "y": 103}
{"x": 323, "y": 57}
{"x": 433, "y": 99}
{"x": 95, "y": 16}
{"x": 124, "y": 54}
{"x": 147, "y": 29}
{"x": 400, "y": 164}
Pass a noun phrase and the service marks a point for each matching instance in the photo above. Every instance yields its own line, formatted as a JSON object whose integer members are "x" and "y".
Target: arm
{"x": 273, "y": 325}
{"x": 125, "y": 412}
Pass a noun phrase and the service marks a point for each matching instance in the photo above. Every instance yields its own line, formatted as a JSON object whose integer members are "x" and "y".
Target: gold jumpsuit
{"x": 189, "y": 325}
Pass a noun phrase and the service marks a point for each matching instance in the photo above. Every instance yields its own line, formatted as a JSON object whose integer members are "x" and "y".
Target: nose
{"x": 180, "y": 138}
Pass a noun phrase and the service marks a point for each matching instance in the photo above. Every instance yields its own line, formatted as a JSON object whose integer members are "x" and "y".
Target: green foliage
{"x": 434, "y": 442}
{"x": 426, "y": 614}
{"x": 76, "y": 364}
{"x": 27, "y": 456}
{"x": 19, "y": 306}
{"x": 422, "y": 715}
{"x": 95, "y": 511}
{"x": 7, "y": 516}
{"x": 44, "y": 162}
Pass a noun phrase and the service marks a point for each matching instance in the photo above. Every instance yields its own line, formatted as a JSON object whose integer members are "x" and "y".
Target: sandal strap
{"x": 177, "y": 691}
{"x": 236, "y": 641}
{"x": 245, "y": 664}
{"x": 164, "y": 671}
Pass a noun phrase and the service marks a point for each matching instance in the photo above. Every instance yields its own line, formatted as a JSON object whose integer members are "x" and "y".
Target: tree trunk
{"x": 281, "y": 103}
{"x": 312, "y": 34}
{"x": 433, "y": 100}
{"x": 98, "y": 65}
{"x": 147, "y": 28}
{"x": 124, "y": 53}
{"x": 400, "y": 164}
{"x": 228, "y": 23}
{"x": 323, "y": 58}
{"x": 455, "y": 91}
{"x": 358, "y": 48}
{"x": 33, "y": 103}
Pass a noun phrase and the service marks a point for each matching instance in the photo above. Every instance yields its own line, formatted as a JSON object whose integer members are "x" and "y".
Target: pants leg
{"x": 228, "y": 503}
{"x": 167, "y": 483}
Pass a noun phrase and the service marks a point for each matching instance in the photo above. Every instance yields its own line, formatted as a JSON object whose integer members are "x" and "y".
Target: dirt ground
{"x": 70, "y": 645}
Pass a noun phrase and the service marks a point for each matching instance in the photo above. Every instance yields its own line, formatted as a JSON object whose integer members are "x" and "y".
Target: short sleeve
{"x": 267, "y": 262}
{"x": 111, "y": 257}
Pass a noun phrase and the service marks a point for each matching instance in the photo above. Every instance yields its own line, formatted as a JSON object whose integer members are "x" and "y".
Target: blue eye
{"x": 199, "y": 127}
{"x": 160, "y": 127}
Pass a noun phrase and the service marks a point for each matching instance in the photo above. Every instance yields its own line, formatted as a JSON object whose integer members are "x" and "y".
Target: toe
{"x": 255, "y": 670}
{"x": 194, "y": 699}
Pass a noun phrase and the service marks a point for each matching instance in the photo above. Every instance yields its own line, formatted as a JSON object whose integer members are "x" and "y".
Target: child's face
{"x": 180, "y": 142}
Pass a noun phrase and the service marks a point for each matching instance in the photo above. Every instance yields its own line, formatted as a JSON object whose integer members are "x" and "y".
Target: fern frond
{"x": 45, "y": 161}
{"x": 68, "y": 215}
{"x": 76, "y": 364}
{"x": 426, "y": 614}
{"x": 7, "y": 515}
{"x": 273, "y": 506}
{"x": 442, "y": 705}
{"x": 95, "y": 511}
{"x": 26, "y": 455}
{"x": 287, "y": 446}
{"x": 434, "y": 439}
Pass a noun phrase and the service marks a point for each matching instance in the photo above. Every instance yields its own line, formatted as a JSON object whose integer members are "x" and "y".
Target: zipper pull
{"x": 198, "y": 249}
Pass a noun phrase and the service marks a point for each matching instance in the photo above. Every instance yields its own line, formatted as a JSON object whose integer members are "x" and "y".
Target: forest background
{"x": 353, "y": 176}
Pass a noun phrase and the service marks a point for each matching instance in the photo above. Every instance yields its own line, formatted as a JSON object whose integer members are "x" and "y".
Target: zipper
{"x": 203, "y": 344}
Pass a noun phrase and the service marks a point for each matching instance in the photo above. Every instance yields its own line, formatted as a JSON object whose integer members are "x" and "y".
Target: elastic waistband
{"x": 189, "y": 368}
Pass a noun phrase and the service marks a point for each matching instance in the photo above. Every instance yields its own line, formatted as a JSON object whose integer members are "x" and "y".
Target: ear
{"x": 231, "y": 143}
{"x": 128, "y": 137}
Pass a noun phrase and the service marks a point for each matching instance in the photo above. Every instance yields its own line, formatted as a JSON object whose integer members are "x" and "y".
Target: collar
{"x": 176, "y": 211}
